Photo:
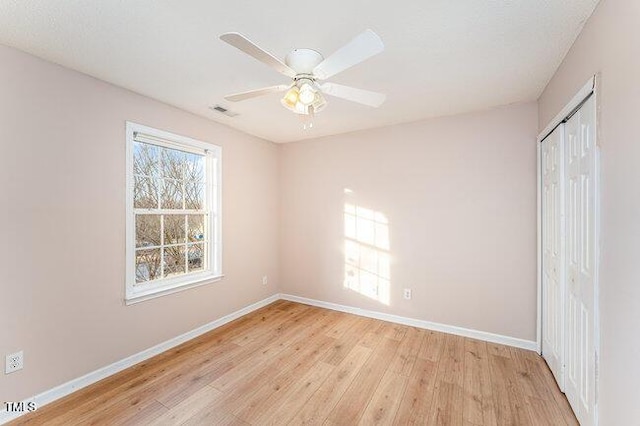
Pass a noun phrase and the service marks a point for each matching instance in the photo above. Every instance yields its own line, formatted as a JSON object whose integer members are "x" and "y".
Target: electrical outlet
{"x": 407, "y": 293}
{"x": 265, "y": 280}
{"x": 14, "y": 362}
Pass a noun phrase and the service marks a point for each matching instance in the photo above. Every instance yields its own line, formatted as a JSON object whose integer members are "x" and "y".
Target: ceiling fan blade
{"x": 255, "y": 93}
{"x": 361, "y": 48}
{"x": 365, "y": 97}
{"x": 242, "y": 43}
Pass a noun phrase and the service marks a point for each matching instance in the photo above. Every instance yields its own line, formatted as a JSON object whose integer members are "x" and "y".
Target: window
{"x": 173, "y": 213}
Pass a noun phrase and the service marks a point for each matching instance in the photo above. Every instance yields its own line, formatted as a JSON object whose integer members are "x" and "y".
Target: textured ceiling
{"x": 442, "y": 57}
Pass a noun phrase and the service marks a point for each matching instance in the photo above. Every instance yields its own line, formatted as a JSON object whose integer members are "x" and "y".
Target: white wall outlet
{"x": 14, "y": 362}
{"x": 265, "y": 280}
{"x": 407, "y": 293}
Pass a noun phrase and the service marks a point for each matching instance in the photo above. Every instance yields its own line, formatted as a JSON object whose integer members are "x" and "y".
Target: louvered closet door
{"x": 553, "y": 252}
{"x": 581, "y": 260}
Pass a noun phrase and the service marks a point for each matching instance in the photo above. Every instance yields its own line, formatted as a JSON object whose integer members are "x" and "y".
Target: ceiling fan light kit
{"x": 306, "y": 66}
{"x": 307, "y": 94}
{"x": 304, "y": 97}
{"x": 291, "y": 97}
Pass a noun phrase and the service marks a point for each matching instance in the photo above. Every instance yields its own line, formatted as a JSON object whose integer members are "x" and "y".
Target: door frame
{"x": 590, "y": 88}
{"x": 560, "y": 373}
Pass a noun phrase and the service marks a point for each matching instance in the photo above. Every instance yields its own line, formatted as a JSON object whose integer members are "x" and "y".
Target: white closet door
{"x": 581, "y": 260}
{"x": 553, "y": 253}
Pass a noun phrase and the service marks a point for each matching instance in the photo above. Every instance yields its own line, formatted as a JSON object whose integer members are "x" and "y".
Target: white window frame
{"x": 213, "y": 196}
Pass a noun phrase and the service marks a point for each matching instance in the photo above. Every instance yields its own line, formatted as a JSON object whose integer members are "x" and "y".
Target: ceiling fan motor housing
{"x": 303, "y": 61}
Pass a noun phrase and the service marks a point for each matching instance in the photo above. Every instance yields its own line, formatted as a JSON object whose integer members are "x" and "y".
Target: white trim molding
{"x": 584, "y": 92}
{"x": 588, "y": 89}
{"x": 212, "y": 243}
{"x": 538, "y": 249}
{"x": 76, "y": 384}
{"x": 428, "y": 325}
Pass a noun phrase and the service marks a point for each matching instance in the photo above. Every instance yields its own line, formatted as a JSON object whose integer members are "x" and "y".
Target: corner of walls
{"x": 67, "y": 215}
{"x": 426, "y": 325}
{"x": 280, "y": 224}
{"x": 78, "y": 383}
{"x": 455, "y": 191}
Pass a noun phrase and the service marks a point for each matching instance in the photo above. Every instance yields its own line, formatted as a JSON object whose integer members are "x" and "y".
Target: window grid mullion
{"x": 186, "y": 241}
{"x": 171, "y": 245}
{"x": 182, "y": 184}
{"x": 160, "y": 181}
{"x": 161, "y": 246}
{"x": 170, "y": 211}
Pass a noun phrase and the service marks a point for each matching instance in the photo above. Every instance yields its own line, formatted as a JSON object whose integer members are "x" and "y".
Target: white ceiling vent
{"x": 223, "y": 110}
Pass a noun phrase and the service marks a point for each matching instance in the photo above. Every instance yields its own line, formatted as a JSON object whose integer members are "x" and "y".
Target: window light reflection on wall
{"x": 367, "y": 258}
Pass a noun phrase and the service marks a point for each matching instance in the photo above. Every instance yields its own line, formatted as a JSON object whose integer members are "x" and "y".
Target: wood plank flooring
{"x": 293, "y": 364}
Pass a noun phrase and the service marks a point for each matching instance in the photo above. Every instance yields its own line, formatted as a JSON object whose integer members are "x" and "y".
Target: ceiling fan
{"x": 307, "y": 68}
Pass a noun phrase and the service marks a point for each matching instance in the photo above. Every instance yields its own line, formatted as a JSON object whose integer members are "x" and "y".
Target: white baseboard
{"x": 460, "y": 331}
{"x": 97, "y": 375}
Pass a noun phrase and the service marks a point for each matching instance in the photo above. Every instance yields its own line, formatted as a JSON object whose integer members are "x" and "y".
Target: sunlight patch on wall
{"x": 366, "y": 248}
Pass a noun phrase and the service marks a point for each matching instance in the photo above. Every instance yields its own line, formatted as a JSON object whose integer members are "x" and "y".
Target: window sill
{"x": 153, "y": 293}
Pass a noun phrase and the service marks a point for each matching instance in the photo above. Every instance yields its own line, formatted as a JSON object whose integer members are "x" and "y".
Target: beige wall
{"x": 459, "y": 193}
{"x": 609, "y": 45}
{"x": 460, "y": 196}
{"x": 62, "y": 221}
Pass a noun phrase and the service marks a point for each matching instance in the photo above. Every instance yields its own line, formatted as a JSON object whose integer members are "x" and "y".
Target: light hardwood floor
{"x": 294, "y": 364}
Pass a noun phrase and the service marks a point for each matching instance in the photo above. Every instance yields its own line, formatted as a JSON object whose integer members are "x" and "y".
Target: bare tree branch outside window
{"x": 169, "y": 185}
